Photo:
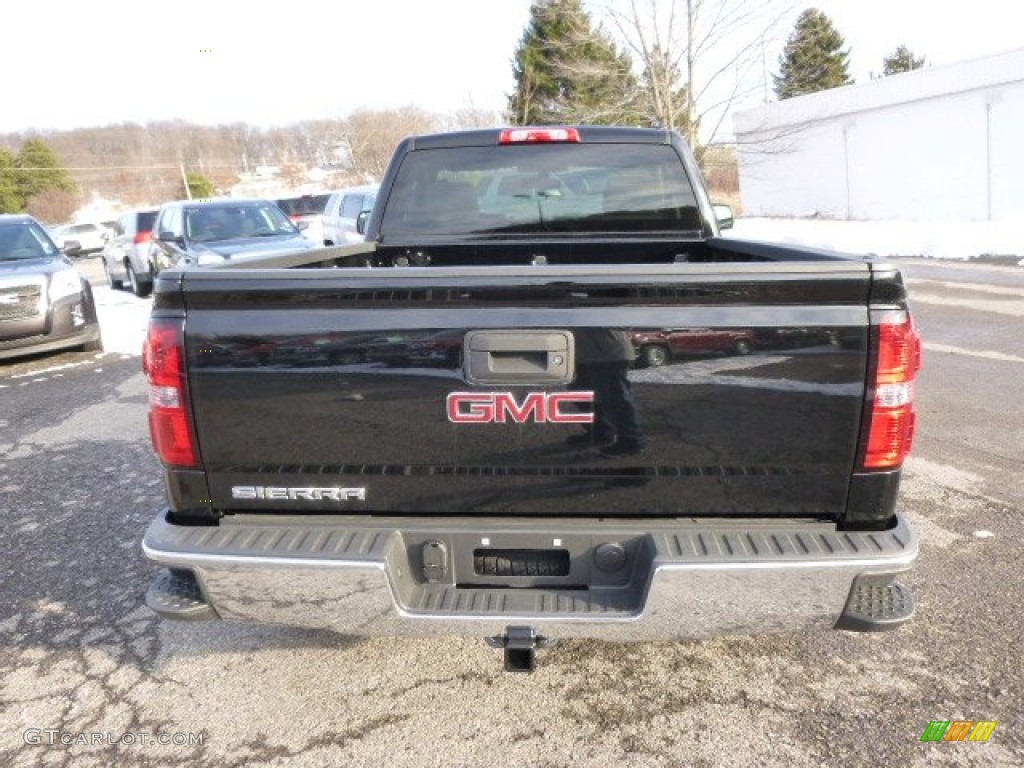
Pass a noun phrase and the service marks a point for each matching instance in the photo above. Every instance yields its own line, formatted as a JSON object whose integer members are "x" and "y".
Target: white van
{"x": 343, "y": 211}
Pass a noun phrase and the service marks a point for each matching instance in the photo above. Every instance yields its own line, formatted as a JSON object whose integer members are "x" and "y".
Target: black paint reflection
{"x": 656, "y": 348}
{"x": 716, "y": 426}
{"x": 442, "y": 348}
{"x": 603, "y": 359}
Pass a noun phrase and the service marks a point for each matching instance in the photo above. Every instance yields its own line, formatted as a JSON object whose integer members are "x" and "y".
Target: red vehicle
{"x": 658, "y": 347}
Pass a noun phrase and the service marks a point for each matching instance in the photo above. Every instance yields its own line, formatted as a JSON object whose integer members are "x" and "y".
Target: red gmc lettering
{"x": 505, "y": 405}
{"x": 502, "y": 407}
{"x": 555, "y": 401}
{"x": 470, "y": 407}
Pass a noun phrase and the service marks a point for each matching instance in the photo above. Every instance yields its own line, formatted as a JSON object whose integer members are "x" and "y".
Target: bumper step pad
{"x": 176, "y": 595}
{"x": 876, "y": 604}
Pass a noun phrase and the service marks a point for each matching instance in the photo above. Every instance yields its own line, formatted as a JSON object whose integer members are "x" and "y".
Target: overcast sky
{"x": 71, "y": 64}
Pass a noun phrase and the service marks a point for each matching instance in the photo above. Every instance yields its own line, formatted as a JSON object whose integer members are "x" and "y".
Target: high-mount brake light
{"x": 891, "y": 430}
{"x": 538, "y": 135}
{"x": 164, "y": 365}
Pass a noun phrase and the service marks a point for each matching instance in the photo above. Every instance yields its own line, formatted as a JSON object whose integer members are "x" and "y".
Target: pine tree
{"x": 814, "y": 59}
{"x": 11, "y": 200}
{"x": 39, "y": 169}
{"x": 199, "y": 187}
{"x": 567, "y": 71}
{"x": 901, "y": 60}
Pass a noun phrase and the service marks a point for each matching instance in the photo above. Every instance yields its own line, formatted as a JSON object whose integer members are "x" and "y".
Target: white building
{"x": 942, "y": 143}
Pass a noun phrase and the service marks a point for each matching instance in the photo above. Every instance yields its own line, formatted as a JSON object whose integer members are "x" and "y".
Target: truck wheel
{"x": 654, "y": 356}
{"x": 743, "y": 347}
{"x": 139, "y": 288}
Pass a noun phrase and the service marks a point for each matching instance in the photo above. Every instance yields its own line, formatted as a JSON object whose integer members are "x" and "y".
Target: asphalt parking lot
{"x": 83, "y": 661}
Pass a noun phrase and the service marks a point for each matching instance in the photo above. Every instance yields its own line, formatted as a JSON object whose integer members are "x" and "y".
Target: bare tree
{"x": 699, "y": 57}
{"x": 471, "y": 116}
{"x": 53, "y": 204}
{"x": 373, "y": 135}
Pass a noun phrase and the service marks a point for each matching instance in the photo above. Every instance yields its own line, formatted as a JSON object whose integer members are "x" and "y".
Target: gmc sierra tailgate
{"x": 473, "y": 391}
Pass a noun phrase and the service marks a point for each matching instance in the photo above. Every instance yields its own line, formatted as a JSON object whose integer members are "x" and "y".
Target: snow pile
{"x": 123, "y": 320}
{"x": 934, "y": 239}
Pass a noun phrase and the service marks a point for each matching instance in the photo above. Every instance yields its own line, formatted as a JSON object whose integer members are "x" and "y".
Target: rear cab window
{"x": 306, "y": 205}
{"x": 145, "y": 221}
{"x": 541, "y": 189}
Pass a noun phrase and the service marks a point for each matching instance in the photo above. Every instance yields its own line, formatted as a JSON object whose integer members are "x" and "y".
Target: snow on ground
{"x": 932, "y": 239}
{"x": 123, "y": 320}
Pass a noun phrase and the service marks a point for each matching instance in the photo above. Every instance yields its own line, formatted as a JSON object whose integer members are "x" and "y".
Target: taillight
{"x": 891, "y": 428}
{"x": 537, "y": 135}
{"x": 142, "y": 237}
{"x": 163, "y": 361}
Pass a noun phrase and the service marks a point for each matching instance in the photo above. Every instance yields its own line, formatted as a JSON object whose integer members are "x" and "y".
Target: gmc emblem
{"x": 502, "y": 407}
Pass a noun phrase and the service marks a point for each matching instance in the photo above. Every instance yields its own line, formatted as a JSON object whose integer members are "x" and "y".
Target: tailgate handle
{"x": 518, "y": 357}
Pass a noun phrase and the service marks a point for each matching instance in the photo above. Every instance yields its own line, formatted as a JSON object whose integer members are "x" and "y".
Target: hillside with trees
{"x": 34, "y": 180}
{"x": 143, "y": 163}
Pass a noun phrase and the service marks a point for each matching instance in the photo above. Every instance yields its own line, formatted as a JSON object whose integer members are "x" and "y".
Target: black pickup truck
{"x": 444, "y": 429}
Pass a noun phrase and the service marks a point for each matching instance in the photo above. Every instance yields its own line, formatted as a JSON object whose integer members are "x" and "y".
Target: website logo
{"x": 958, "y": 730}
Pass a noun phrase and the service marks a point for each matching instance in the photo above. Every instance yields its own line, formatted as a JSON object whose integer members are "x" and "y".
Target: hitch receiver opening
{"x": 520, "y": 644}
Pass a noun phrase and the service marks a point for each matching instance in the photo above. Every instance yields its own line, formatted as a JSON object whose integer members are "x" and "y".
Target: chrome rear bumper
{"x": 677, "y": 579}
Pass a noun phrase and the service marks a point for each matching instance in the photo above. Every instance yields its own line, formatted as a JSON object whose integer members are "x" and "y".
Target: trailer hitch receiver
{"x": 520, "y": 644}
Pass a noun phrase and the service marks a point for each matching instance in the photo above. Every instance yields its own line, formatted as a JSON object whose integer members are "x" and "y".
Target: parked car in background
{"x": 209, "y": 232}
{"x": 90, "y": 237}
{"x": 126, "y": 254}
{"x": 307, "y": 213}
{"x": 345, "y": 211}
{"x": 45, "y": 303}
{"x": 656, "y": 348}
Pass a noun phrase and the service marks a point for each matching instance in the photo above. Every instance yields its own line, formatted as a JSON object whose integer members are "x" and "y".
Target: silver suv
{"x": 212, "y": 232}
{"x": 126, "y": 254}
{"x": 346, "y": 213}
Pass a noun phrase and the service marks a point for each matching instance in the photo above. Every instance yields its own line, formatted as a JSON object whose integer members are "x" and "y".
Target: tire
{"x": 743, "y": 347}
{"x": 139, "y": 288}
{"x": 114, "y": 284}
{"x": 654, "y": 356}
